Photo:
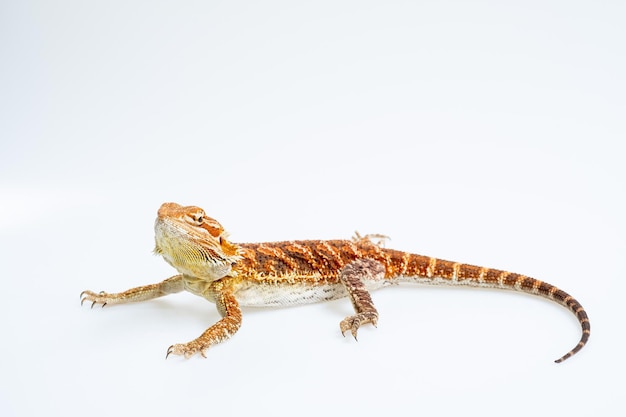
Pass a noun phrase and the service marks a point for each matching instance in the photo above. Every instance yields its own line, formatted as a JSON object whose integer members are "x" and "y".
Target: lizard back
{"x": 306, "y": 271}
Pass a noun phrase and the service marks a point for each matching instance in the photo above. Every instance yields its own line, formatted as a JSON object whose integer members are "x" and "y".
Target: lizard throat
{"x": 193, "y": 254}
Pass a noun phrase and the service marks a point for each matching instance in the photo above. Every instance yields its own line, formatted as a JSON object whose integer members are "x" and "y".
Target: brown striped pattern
{"x": 321, "y": 262}
{"x": 308, "y": 259}
{"x": 399, "y": 264}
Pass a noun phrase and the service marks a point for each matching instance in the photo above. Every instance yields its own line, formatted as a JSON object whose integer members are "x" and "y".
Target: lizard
{"x": 233, "y": 275}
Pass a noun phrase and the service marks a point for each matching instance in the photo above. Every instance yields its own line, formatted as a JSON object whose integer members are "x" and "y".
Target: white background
{"x": 486, "y": 132}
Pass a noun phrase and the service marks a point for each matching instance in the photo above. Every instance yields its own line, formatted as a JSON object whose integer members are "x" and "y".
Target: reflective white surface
{"x": 484, "y": 133}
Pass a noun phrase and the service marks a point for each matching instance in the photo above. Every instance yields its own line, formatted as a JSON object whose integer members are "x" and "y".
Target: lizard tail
{"x": 428, "y": 270}
{"x": 575, "y": 307}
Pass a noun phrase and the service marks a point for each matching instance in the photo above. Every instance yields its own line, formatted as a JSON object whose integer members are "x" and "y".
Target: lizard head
{"x": 193, "y": 243}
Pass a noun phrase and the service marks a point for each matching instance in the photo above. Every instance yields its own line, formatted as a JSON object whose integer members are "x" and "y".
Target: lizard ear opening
{"x": 228, "y": 248}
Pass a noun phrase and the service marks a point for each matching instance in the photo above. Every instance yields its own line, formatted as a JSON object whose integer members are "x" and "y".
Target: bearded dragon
{"x": 299, "y": 272}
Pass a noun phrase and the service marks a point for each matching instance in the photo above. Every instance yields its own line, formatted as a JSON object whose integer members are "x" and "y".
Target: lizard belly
{"x": 293, "y": 293}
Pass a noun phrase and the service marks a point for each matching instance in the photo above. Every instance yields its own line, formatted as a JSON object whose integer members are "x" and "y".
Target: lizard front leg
{"x": 146, "y": 292}
{"x": 352, "y": 276}
{"x": 230, "y": 311}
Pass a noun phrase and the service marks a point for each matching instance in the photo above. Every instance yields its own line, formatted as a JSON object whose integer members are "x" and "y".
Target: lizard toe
{"x": 95, "y": 298}
{"x": 353, "y": 323}
{"x": 185, "y": 349}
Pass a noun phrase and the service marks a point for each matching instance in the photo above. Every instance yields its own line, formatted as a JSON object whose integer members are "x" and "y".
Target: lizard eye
{"x": 196, "y": 219}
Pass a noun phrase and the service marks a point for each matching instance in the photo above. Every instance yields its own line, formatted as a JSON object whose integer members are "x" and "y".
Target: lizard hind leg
{"x": 352, "y": 276}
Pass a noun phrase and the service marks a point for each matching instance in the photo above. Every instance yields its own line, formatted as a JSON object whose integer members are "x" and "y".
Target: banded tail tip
{"x": 576, "y": 349}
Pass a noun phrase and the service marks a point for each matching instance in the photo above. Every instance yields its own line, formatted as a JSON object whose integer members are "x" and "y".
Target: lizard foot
{"x": 186, "y": 349}
{"x": 95, "y": 298}
{"x": 353, "y": 323}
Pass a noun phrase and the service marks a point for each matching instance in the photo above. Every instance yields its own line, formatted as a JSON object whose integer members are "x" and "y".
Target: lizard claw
{"x": 353, "y": 323}
{"x": 175, "y": 350}
{"x": 100, "y": 297}
{"x": 187, "y": 350}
